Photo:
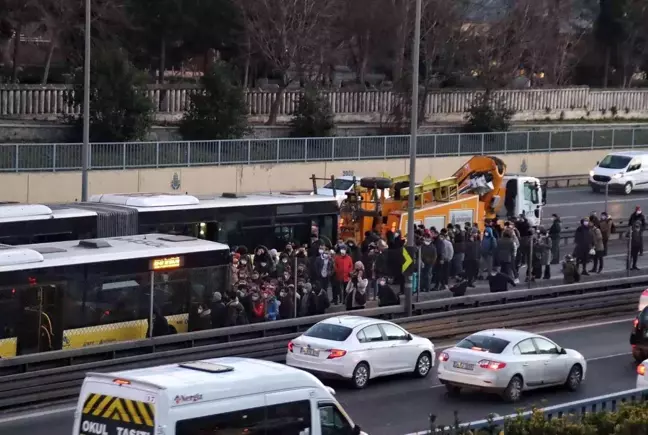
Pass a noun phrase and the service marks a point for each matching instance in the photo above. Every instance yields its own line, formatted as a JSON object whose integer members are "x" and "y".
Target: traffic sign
{"x": 409, "y": 253}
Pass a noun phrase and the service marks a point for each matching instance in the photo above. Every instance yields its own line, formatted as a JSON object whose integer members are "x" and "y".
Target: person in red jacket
{"x": 342, "y": 268}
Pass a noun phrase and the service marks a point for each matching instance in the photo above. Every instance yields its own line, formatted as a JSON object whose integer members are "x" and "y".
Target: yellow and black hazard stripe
{"x": 119, "y": 409}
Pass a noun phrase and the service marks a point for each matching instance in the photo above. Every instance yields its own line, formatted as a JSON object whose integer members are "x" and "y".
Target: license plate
{"x": 463, "y": 365}
{"x": 310, "y": 352}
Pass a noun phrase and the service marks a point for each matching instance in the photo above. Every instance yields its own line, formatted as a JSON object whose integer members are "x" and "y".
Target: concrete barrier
{"x": 50, "y": 187}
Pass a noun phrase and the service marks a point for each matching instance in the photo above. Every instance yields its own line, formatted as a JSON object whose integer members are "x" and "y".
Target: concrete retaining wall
{"x": 37, "y": 187}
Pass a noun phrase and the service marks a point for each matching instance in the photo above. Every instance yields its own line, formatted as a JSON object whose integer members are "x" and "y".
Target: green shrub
{"x": 629, "y": 419}
{"x": 488, "y": 114}
{"x": 313, "y": 116}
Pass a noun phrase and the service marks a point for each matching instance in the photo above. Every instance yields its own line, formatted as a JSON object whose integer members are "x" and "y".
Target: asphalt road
{"x": 401, "y": 405}
{"x": 572, "y": 204}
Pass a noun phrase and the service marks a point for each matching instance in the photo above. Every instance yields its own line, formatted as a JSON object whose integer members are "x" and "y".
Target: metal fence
{"x": 67, "y": 156}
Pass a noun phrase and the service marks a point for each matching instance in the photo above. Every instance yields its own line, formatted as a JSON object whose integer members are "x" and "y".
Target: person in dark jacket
{"x": 471, "y": 258}
{"x": 570, "y": 270}
{"x": 638, "y": 217}
{"x": 160, "y": 324}
{"x": 307, "y": 303}
{"x": 428, "y": 260}
{"x": 499, "y": 282}
{"x": 554, "y": 233}
{"x": 584, "y": 242}
{"x": 287, "y": 302}
{"x": 218, "y": 311}
{"x": 636, "y": 244}
{"x": 386, "y": 295}
{"x": 459, "y": 251}
{"x": 322, "y": 303}
{"x": 506, "y": 254}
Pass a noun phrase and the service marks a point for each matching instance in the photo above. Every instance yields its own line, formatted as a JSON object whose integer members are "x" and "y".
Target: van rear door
{"x": 110, "y": 406}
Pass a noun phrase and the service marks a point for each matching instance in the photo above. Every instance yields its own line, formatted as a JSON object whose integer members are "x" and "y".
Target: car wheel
{"x": 513, "y": 391}
{"x": 627, "y": 189}
{"x": 423, "y": 365}
{"x": 360, "y": 376}
{"x": 574, "y": 378}
{"x": 453, "y": 390}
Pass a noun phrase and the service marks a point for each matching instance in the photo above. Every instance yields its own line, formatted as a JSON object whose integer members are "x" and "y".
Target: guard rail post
{"x": 418, "y": 273}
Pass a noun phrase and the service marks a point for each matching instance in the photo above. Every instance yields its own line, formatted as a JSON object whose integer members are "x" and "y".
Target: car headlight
{"x": 617, "y": 176}
{"x": 591, "y": 173}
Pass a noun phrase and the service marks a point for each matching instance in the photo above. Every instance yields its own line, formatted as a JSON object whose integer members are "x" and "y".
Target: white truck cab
{"x": 220, "y": 395}
{"x": 622, "y": 171}
{"x": 524, "y": 195}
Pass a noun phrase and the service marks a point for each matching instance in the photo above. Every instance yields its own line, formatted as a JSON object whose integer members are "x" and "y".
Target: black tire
{"x": 453, "y": 390}
{"x": 375, "y": 183}
{"x": 574, "y": 378}
{"x": 423, "y": 365}
{"x": 627, "y": 188}
{"x": 638, "y": 356}
{"x": 360, "y": 377}
{"x": 513, "y": 391}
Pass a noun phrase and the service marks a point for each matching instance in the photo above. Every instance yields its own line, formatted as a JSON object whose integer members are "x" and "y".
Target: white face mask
{"x": 381, "y": 282}
{"x": 243, "y": 262}
{"x": 343, "y": 251}
{"x": 321, "y": 251}
{"x": 282, "y": 294}
{"x": 285, "y": 260}
{"x": 255, "y": 298}
{"x": 427, "y": 242}
{"x": 325, "y": 256}
{"x": 263, "y": 264}
{"x": 638, "y": 211}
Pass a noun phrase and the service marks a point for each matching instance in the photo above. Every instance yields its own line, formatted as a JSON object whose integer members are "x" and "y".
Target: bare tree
{"x": 358, "y": 28}
{"x": 292, "y": 36}
{"x": 634, "y": 50}
{"x": 17, "y": 14}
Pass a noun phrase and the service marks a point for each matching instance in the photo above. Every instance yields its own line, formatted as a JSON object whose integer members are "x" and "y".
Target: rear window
{"x": 329, "y": 331}
{"x": 484, "y": 342}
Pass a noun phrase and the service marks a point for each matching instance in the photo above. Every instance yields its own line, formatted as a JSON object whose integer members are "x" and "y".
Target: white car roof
{"x": 351, "y": 321}
{"x": 512, "y": 335}
{"x": 247, "y": 376}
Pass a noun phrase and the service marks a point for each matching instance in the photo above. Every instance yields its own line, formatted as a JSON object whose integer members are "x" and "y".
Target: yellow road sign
{"x": 407, "y": 260}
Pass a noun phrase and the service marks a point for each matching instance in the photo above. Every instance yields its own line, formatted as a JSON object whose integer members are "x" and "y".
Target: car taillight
{"x": 635, "y": 323}
{"x": 336, "y": 353}
{"x": 491, "y": 365}
{"x": 641, "y": 369}
{"x": 290, "y": 346}
{"x": 444, "y": 357}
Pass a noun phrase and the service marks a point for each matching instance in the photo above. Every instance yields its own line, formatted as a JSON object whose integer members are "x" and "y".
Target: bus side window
{"x": 333, "y": 422}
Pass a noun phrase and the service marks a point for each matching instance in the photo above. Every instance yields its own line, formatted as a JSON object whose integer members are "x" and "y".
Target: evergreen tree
{"x": 313, "y": 116}
{"x": 220, "y": 112}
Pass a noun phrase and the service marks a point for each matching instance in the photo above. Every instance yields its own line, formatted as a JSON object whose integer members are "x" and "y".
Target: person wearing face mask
{"x": 488, "y": 249}
{"x": 499, "y": 282}
{"x": 322, "y": 302}
{"x": 256, "y": 313}
{"x": 386, "y": 295}
{"x": 286, "y": 304}
{"x": 356, "y": 298}
{"x": 544, "y": 247}
{"x": 236, "y": 312}
{"x": 283, "y": 265}
{"x": 308, "y": 303}
{"x": 322, "y": 269}
{"x": 636, "y": 244}
{"x": 218, "y": 311}
{"x": 342, "y": 266}
{"x": 607, "y": 228}
{"x": 638, "y": 217}
{"x": 599, "y": 249}
{"x": 584, "y": 242}
{"x": 428, "y": 259}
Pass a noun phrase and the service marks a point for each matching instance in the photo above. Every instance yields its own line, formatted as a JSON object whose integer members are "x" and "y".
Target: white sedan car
{"x": 508, "y": 362}
{"x": 360, "y": 348}
{"x": 643, "y": 300}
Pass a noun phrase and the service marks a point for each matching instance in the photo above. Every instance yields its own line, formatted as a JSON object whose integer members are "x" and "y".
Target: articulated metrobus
{"x": 74, "y": 294}
{"x": 271, "y": 219}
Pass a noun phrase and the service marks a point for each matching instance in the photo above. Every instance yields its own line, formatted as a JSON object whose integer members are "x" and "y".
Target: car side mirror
{"x": 356, "y": 430}
{"x": 409, "y": 337}
{"x": 563, "y": 351}
{"x": 597, "y": 162}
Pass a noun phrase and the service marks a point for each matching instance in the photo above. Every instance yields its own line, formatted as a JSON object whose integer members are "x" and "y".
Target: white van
{"x": 622, "y": 171}
{"x": 221, "y": 395}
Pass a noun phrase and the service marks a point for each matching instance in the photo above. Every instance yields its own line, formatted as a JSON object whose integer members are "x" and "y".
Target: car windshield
{"x": 329, "y": 331}
{"x": 612, "y": 161}
{"x": 339, "y": 184}
{"x": 485, "y": 343}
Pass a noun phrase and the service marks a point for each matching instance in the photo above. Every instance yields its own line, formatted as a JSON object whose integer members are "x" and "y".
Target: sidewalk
{"x": 614, "y": 266}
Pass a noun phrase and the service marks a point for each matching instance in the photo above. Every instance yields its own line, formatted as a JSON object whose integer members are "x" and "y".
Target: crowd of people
{"x": 310, "y": 279}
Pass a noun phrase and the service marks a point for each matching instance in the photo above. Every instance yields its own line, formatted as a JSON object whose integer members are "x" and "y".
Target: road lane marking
{"x": 613, "y": 201}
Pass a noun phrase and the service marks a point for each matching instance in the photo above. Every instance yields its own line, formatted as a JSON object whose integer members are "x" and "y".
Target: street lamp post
{"x": 413, "y": 132}
{"x": 85, "y": 151}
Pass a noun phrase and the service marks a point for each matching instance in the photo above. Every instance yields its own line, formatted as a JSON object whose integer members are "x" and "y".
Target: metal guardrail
{"x": 67, "y": 156}
{"x": 33, "y": 379}
{"x": 609, "y": 402}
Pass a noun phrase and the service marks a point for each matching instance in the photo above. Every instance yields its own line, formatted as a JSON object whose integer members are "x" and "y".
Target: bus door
{"x": 40, "y": 323}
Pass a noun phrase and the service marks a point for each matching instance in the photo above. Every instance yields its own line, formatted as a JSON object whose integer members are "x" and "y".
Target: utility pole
{"x": 85, "y": 151}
